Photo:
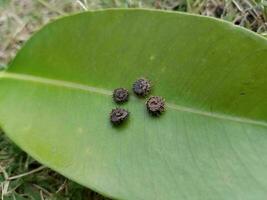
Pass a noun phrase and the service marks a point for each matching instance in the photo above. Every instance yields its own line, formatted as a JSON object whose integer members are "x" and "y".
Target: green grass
{"x": 24, "y": 178}
{"x": 21, "y": 177}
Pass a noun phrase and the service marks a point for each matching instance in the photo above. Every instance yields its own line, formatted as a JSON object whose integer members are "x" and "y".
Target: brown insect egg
{"x": 155, "y": 105}
{"x": 142, "y": 87}
{"x": 120, "y": 95}
{"x": 118, "y": 115}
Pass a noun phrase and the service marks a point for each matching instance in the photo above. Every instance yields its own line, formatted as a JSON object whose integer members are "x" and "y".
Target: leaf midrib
{"x": 101, "y": 91}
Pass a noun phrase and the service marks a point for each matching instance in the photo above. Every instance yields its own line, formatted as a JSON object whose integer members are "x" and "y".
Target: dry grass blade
{"x": 26, "y": 174}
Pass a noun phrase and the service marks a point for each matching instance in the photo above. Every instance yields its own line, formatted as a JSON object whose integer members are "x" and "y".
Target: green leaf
{"x": 211, "y": 143}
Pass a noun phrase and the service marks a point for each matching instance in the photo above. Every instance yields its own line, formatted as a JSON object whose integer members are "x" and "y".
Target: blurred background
{"x": 21, "y": 177}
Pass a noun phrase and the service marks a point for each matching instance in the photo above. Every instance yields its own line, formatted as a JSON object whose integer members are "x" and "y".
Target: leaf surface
{"x": 55, "y": 100}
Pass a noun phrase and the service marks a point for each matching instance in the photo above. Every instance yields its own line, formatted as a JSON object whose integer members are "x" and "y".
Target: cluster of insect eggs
{"x": 142, "y": 87}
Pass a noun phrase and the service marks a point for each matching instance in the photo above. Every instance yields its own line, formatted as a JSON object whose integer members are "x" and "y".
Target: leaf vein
{"x": 77, "y": 86}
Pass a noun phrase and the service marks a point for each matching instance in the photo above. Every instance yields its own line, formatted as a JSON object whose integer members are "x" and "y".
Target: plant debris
{"x": 155, "y": 105}
{"x": 219, "y": 10}
{"x": 142, "y": 87}
{"x": 118, "y": 115}
{"x": 120, "y": 95}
